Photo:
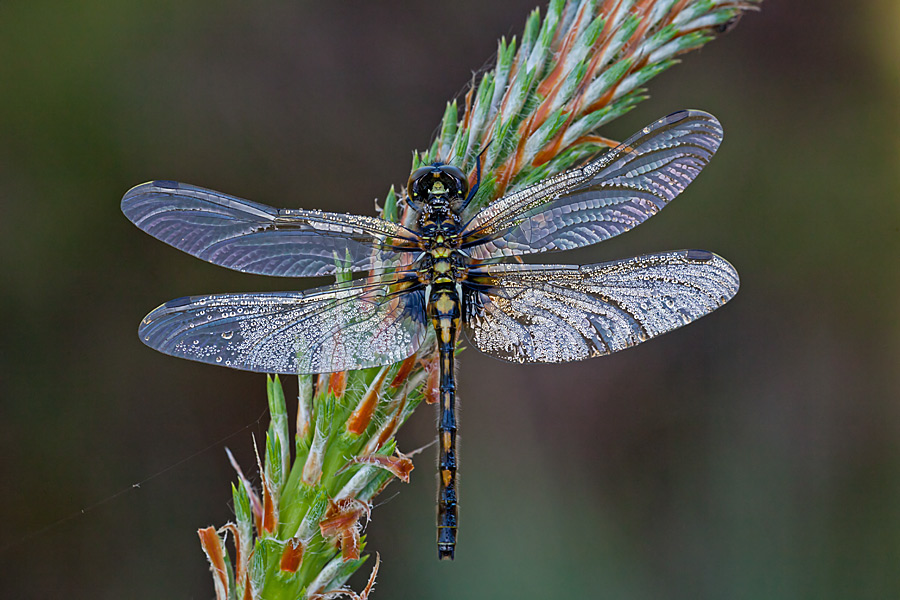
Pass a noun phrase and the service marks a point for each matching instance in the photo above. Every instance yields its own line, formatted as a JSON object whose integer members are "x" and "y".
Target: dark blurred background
{"x": 754, "y": 454}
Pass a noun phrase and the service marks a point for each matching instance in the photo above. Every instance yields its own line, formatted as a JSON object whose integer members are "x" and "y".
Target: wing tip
{"x": 705, "y": 256}
{"x": 693, "y": 113}
{"x": 162, "y": 184}
{"x": 675, "y": 117}
{"x": 699, "y": 255}
{"x": 133, "y": 196}
{"x": 688, "y": 113}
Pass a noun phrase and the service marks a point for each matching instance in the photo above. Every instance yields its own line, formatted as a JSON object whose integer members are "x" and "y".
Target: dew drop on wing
{"x": 167, "y": 184}
{"x": 227, "y": 335}
{"x": 699, "y": 255}
{"x": 218, "y": 359}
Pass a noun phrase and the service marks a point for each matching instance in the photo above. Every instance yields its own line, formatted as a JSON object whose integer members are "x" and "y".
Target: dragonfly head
{"x": 437, "y": 186}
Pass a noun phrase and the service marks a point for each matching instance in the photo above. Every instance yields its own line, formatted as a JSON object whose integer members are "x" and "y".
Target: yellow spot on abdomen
{"x": 444, "y": 304}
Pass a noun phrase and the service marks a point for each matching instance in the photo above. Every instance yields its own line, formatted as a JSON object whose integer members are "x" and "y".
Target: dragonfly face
{"x": 436, "y": 182}
{"x": 443, "y": 273}
{"x": 437, "y": 193}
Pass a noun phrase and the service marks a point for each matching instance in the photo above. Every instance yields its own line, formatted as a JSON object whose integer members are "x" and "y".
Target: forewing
{"x": 589, "y": 204}
{"x": 255, "y": 238}
{"x": 544, "y": 313}
{"x": 328, "y": 329}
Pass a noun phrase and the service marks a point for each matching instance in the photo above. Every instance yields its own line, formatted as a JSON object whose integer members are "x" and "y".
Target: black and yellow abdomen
{"x": 444, "y": 312}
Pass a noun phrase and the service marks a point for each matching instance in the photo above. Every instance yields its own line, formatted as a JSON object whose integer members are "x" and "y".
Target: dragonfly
{"x": 450, "y": 272}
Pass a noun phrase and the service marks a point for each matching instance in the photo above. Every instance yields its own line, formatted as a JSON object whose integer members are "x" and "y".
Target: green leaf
{"x": 242, "y": 512}
{"x": 278, "y": 445}
{"x": 448, "y": 129}
{"x": 390, "y": 212}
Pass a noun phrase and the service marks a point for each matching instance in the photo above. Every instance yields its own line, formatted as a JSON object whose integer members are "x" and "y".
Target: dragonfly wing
{"x": 255, "y": 238}
{"x": 606, "y": 197}
{"x": 544, "y": 313}
{"x": 327, "y": 329}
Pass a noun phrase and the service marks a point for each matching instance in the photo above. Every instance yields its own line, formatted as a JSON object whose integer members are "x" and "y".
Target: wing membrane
{"x": 255, "y": 238}
{"x": 327, "y": 329}
{"x": 543, "y": 313}
{"x": 604, "y": 198}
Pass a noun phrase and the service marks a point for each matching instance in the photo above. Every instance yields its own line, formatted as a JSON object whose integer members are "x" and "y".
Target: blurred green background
{"x": 754, "y": 454}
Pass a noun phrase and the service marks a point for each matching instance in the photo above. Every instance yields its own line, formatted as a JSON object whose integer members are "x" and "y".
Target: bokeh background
{"x": 754, "y": 454}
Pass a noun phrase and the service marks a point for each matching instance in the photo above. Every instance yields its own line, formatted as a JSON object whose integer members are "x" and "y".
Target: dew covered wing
{"x": 324, "y": 330}
{"x": 549, "y": 314}
{"x": 606, "y": 197}
{"x": 255, "y": 238}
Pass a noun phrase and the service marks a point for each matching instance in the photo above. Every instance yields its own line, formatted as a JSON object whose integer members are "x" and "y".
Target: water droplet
{"x": 227, "y": 335}
{"x": 218, "y": 359}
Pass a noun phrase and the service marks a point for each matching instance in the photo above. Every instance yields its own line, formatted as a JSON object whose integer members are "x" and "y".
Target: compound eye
{"x": 454, "y": 172}
{"x": 415, "y": 191}
{"x": 418, "y": 174}
{"x": 462, "y": 182}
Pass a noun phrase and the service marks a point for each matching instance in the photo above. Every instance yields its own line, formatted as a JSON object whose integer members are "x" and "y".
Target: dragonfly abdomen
{"x": 444, "y": 310}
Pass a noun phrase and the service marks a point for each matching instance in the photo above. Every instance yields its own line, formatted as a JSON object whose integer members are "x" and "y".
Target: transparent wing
{"x": 538, "y": 313}
{"x": 255, "y": 238}
{"x": 327, "y": 329}
{"x": 586, "y": 205}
